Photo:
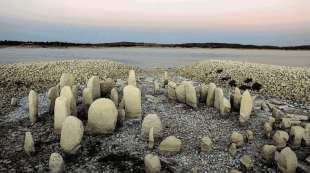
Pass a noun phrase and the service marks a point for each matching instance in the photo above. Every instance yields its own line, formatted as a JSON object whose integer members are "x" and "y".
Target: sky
{"x": 262, "y": 22}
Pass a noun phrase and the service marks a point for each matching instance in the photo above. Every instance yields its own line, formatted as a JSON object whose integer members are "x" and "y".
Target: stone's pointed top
{"x": 132, "y": 78}
{"x": 66, "y": 79}
{"x": 56, "y": 163}
{"x": 29, "y": 143}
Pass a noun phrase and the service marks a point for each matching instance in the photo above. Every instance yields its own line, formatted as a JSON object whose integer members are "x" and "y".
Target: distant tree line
{"x": 141, "y": 44}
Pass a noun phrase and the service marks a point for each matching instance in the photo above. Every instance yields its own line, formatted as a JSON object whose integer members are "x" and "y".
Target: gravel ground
{"x": 124, "y": 150}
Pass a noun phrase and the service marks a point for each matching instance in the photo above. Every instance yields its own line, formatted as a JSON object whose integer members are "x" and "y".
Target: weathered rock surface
{"x": 106, "y": 86}
{"x": 249, "y": 135}
{"x": 66, "y": 91}
{"x": 286, "y": 160}
{"x": 296, "y": 133}
{"x": 190, "y": 95}
{"x": 211, "y": 94}
{"x": 203, "y": 93}
{"x": 132, "y": 102}
{"x": 170, "y": 145}
{"x": 246, "y": 107}
{"x": 62, "y": 111}
{"x": 66, "y": 79}
{"x": 93, "y": 85}
{"x": 71, "y": 135}
{"x": 52, "y": 94}
{"x": 152, "y": 163}
{"x": 232, "y": 149}
{"x": 225, "y": 106}
{"x": 267, "y": 129}
{"x": 156, "y": 87}
{"x": 180, "y": 93}
{"x": 152, "y": 121}
{"x": 171, "y": 90}
{"x": 268, "y": 152}
{"x": 206, "y": 144}
{"x": 218, "y": 96}
{"x": 33, "y": 106}
{"x": 237, "y": 138}
{"x": 114, "y": 96}
{"x": 102, "y": 117}
{"x": 247, "y": 162}
{"x": 29, "y": 143}
{"x": 132, "y": 78}
{"x": 14, "y": 101}
{"x": 56, "y": 163}
{"x": 151, "y": 139}
{"x": 280, "y": 138}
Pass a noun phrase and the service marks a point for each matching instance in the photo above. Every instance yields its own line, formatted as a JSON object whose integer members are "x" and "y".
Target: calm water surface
{"x": 155, "y": 57}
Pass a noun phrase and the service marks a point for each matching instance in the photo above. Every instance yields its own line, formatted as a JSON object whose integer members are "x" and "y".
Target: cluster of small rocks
{"x": 272, "y": 80}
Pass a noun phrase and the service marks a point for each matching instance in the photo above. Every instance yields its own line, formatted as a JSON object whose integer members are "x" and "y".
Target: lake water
{"x": 155, "y": 57}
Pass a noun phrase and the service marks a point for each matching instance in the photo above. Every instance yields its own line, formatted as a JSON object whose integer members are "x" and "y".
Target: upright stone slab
{"x": 246, "y": 107}
{"x": 33, "y": 106}
{"x": 171, "y": 90}
{"x": 152, "y": 163}
{"x": 66, "y": 79}
{"x": 190, "y": 92}
{"x": 225, "y": 106}
{"x": 237, "y": 138}
{"x": 237, "y": 99}
{"x": 211, "y": 94}
{"x": 75, "y": 90}
{"x": 56, "y": 163}
{"x": 102, "y": 117}
{"x": 280, "y": 138}
{"x": 66, "y": 91}
{"x": 106, "y": 86}
{"x": 297, "y": 133}
{"x": 62, "y": 111}
{"x": 218, "y": 96}
{"x": 156, "y": 88}
{"x": 71, "y": 135}
{"x": 286, "y": 160}
{"x": 114, "y": 96}
{"x": 268, "y": 152}
{"x": 166, "y": 78}
{"x": 93, "y": 85}
{"x": 29, "y": 143}
{"x": 180, "y": 93}
{"x": 132, "y": 101}
{"x": 203, "y": 92}
{"x": 87, "y": 98}
{"x": 52, "y": 94}
{"x": 132, "y": 78}
{"x": 152, "y": 121}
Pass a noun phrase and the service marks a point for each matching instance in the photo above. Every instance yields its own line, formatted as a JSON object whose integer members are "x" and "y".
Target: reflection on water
{"x": 155, "y": 57}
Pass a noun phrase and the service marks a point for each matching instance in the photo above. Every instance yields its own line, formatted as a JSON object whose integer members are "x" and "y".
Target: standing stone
{"x": 132, "y": 102}
{"x": 114, "y": 96}
{"x": 203, "y": 93}
{"x": 152, "y": 121}
{"x": 75, "y": 90}
{"x": 29, "y": 143}
{"x": 190, "y": 95}
{"x": 206, "y": 144}
{"x": 211, "y": 94}
{"x": 66, "y": 91}
{"x": 33, "y": 106}
{"x": 151, "y": 138}
{"x": 249, "y": 135}
{"x": 71, "y": 135}
{"x": 268, "y": 152}
{"x": 237, "y": 99}
{"x": 286, "y": 160}
{"x": 180, "y": 93}
{"x": 87, "y": 98}
{"x": 218, "y": 96}
{"x": 276, "y": 113}
{"x": 286, "y": 123}
{"x": 102, "y": 116}
{"x": 170, "y": 145}
{"x": 171, "y": 90}
{"x": 106, "y": 86}
{"x": 14, "y": 101}
{"x": 247, "y": 162}
{"x": 237, "y": 138}
{"x": 297, "y": 133}
{"x": 52, "y": 94}
{"x": 156, "y": 88}
{"x": 232, "y": 149}
{"x": 62, "y": 111}
{"x": 280, "y": 138}
{"x": 166, "y": 78}
{"x": 132, "y": 78}
{"x": 267, "y": 129}
{"x": 225, "y": 106}
{"x": 66, "y": 79}
{"x": 93, "y": 85}
{"x": 152, "y": 164}
{"x": 56, "y": 163}
{"x": 246, "y": 106}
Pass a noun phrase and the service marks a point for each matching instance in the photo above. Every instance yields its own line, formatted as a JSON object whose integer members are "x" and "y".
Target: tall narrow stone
{"x": 171, "y": 90}
{"x": 132, "y": 78}
{"x": 114, "y": 96}
{"x": 71, "y": 135}
{"x": 179, "y": 93}
{"x": 93, "y": 85}
{"x": 166, "y": 78}
{"x": 102, "y": 116}
{"x": 29, "y": 143}
{"x": 190, "y": 92}
{"x": 66, "y": 79}
{"x": 33, "y": 106}
{"x": 62, "y": 111}
{"x": 237, "y": 98}
{"x": 225, "y": 106}
{"x": 52, "y": 94}
{"x": 156, "y": 88}
{"x": 246, "y": 107}
{"x": 218, "y": 96}
{"x": 66, "y": 91}
{"x": 132, "y": 101}
{"x": 211, "y": 94}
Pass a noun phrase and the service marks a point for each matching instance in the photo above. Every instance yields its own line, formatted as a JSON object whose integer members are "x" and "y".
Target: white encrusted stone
{"x": 132, "y": 101}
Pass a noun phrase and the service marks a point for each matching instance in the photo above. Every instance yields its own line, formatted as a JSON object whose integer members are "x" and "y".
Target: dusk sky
{"x": 273, "y": 22}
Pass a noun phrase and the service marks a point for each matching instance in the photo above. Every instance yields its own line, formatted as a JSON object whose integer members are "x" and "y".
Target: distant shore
{"x": 30, "y": 44}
